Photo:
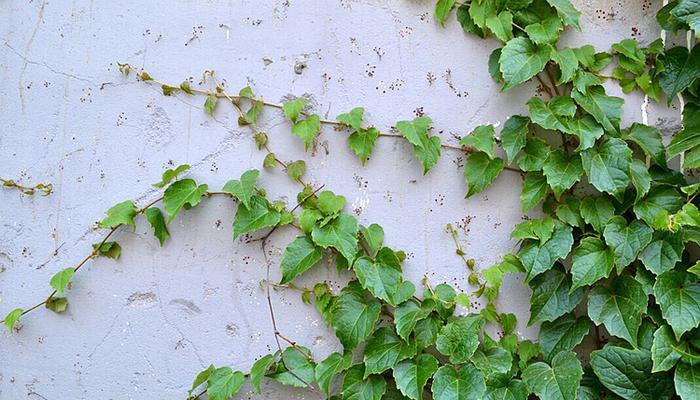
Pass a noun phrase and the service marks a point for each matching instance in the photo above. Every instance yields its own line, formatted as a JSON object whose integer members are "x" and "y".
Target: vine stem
{"x": 46, "y": 188}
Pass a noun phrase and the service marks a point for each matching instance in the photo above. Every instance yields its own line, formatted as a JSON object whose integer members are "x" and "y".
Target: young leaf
{"x": 297, "y": 369}
{"x": 514, "y": 135}
{"x": 442, "y": 10}
{"x": 183, "y": 193}
{"x": 296, "y": 170}
{"x": 544, "y": 32}
{"x": 244, "y": 188}
{"x": 482, "y": 138}
{"x": 353, "y": 118}
{"x": 61, "y": 280}
{"x": 460, "y": 338}
{"x": 223, "y": 383}
{"x": 558, "y": 381}
{"x": 201, "y": 377}
{"x": 292, "y": 109}
{"x": 155, "y": 218}
{"x": 12, "y": 318}
{"x": 210, "y": 103}
{"x": 120, "y": 214}
{"x": 501, "y": 25}
{"x": 307, "y": 129}
{"x": 373, "y": 236}
{"x": 415, "y": 131}
{"x": 298, "y": 257}
{"x": 57, "y": 304}
{"x": 429, "y": 152}
{"x": 568, "y": 13}
{"x": 108, "y": 249}
{"x": 362, "y": 141}
{"x": 260, "y": 215}
{"x": 480, "y": 171}
{"x": 329, "y": 203}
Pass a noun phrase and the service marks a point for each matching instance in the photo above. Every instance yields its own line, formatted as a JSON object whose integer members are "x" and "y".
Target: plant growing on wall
{"x": 610, "y": 253}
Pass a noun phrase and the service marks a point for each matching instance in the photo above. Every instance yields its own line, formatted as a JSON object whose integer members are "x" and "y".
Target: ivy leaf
{"x": 442, "y": 10}
{"x": 587, "y": 130}
{"x": 537, "y": 229}
{"x": 568, "y": 13}
{"x": 678, "y": 295}
{"x": 412, "y": 375}
{"x": 687, "y": 377}
{"x": 61, "y": 280}
{"x": 429, "y": 152}
{"x": 568, "y": 65}
{"x": 296, "y": 370}
{"x": 493, "y": 362}
{"x": 296, "y": 170}
{"x": 659, "y": 200}
{"x": 597, "y": 211}
{"x": 307, "y": 129}
{"x": 384, "y": 349}
{"x": 331, "y": 367}
{"x": 562, "y": 171}
{"x": 415, "y": 131}
{"x": 553, "y": 115}
{"x": 640, "y": 177}
{"x": 292, "y": 109}
{"x": 552, "y": 296}
{"x": 569, "y": 212}
{"x": 258, "y": 371}
{"x": 450, "y": 383}
{"x": 544, "y": 32}
{"x": 648, "y": 138}
{"x": 210, "y": 103}
{"x": 562, "y": 335}
{"x": 120, "y": 214}
{"x": 466, "y": 21}
{"x": 329, "y": 203}
{"x": 244, "y": 188}
{"x": 223, "y": 383}
{"x": 514, "y": 135}
{"x": 558, "y": 381}
{"x": 460, "y": 337}
{"x": 607, "y": 165}
{"x": 521, "y": 60}
{"x": 540, "y": 257}
{"x": 357, "y": 387}
{"x": 12, "y": 318}
{"x": 534, "y": 190}
{"x": 171, "y": 174}
{"x": 681, "y": 69}
{"x": 482, "y": 138}
{"x": 155, "y": 218}
{"x": 663, "y": 252}
{"x": 427, "y": 331}
{"x": 260, "y": 215}
{"x": 619, "y": 307}
{"x": 666, "y": 350}
{"x": 57, "y": 304}
{"x": 183, "y": 193}
{"x": 607, "y": 110}
{"x": 381, "y": 277}
{"x": 408, "y": 314}
{"x": 108, "y": 249}
{"x": 373, "y": 236}
{"x": 626, "y": 241}
{"x": 591, "y": 261}
{"x": 201, "y": 378}
{"x": 341, "y": 234}
{"x": 501, "y": 25}
{"x": 480, "y": 171}
{"x": 534, "y": 155}
{"x": 300, "y": 255}
{"x": 353, "y": 316}
{"x": 362, "y": 141}
{"x": 511, "y": 390}
{"x": 353, "y": 118}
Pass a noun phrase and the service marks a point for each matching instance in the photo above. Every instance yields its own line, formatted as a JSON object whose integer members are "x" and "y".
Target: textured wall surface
{"x": 141, "y": 327}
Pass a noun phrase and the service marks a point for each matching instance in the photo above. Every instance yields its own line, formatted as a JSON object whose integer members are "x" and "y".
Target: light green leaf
{"x": 155, "y": 218}
{"x": 626, "y": 241}
{"x": 201, "y": 377}
{"x": 412, "y": 375}
{"x": 300, "y": 255}
{"x": 293, "y": 108}
{"x": 171, "y": 174}
{"x": 353, "y": 118}
{"x": 331, "y": 367}
{"x": 223, "y": 383}
{"x": 678, "y": 295}
{"x": 381, "y": 277}
{"x": 568, "y": 13}
{"x": 591, "y": 261}
{"x": 61, "y": 280}
{"x": 373, "y": 236}
{"x": 548, "y": 115}
{"x": 514, "y": 135}
{"x": 362, "y": 142}
{"x": 108, "y": 249}
{"x": 120, "y": 214}
{"x": 521, "y": 60}
{"x": 545, "y": 32}
{"x": 415, "y": 131}
{"x": 562, "y": 334}
{"x": 296, "y": 170}
{"x": 384, "y": 349}
{"x": 429, "y": 152}
{"x": 210, "y": 103}
{"x": 480, "y": 171}
{"x": 587, "y": 130}
{"x": 307, "y": 129}
{"x": 442, "y": 10}
{"x": 460, "y": 337}
{"x": 538, "y": 229}
{"x": 501, "y": 25}
{"x": 465, "y": 383}
{"x": 558, "y": 381}
{"x": 619, "y": 307}
{"x": 259, "y": 369}
{"x": 12, "y": 318}
{"x": 534, "y": 190}
{"x": 353, "y": 316}
{"x": 482, "y": 138}
{"x": 57, "y": 304}
{"x": 183, "y": 193}
{"x": 607, "y": 165}
{"x": 552, "y": 296}
{"x": 562, "y": 171}
{"x": 341, "y": 234}
{"x": 244, "y": 188}
{"x": 568, "y": 65}
{"x": 296, "y": 370}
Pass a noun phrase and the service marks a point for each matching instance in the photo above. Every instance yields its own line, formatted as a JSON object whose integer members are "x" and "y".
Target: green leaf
{"x": 607, "y": 110}
{"x": 223, "y": 383}
{"x": 568, "y": 13}
{"x": 407, "y": 315}
{"x": 494, "y": 274}
{"x": 108, "y": 249}
{"x": 659, "y": 200}
{"x": 545, "y": 32}
{"x": 568, "y": 65}
{"x": 569, "y": 212}
{"x": 534, "y": 190}
{"x": 482, "y": 138}
{"x": 687, "y": 377}
{"x": 57, "y": 304}
{"x": 329, "y": 203}
{"x": 362, "y": 142}
{"x": 442, "y": 10}
{"x": 493, "y": 362}
{"x": 664, "y": 251}
{"x": 201, "y": 378}
{"x": 648, "y": 138}
{"x": 619, "y": 307}
{"x": 357, "y": 387}
{"x": 427, "y": 331}
{"x": 155, "y": 218}
{"x": 429, "y": 152}
{"x": 244, "y": 188}
{"x": 381, "y": 277}
{"x": 607, "y": 165}
{"x": 552, "y": 296}
{"x": 501, "y": 25}
{"x": 331, "y": 367}
{"x": 689, "y": 137}
{"x": 307, "y": 129}
{"x": 537, "y": 229}
{"x": 296, "y": 170}
{"x": 465, "y": 383}
{"x": 640, "y": 177}
{"x": 480, "y": 171}
{"x": 681, "y": 69}
{"x": 412, "y": 375}
{"x": 553, "y": 115}
{"x": 678, "y": 295}
{"x": 296, "y": 370}
{"x": 466, "y": 21}
{"x": 260, "y": 215}
{"x": 171, "y": 174}
{"x": 514, "y": 135}
{"x": 562, "y": 171}
{"x": 626, "y": 241}
{"x": 597, "y": 211}
{"x": 562, "y": 335}
{"x": 521, "y": 60}
{"x": 293, "y": 108}
{"x": 259, "y": 369}
{"x": 353, "y": 316}
{"x": 591, "y": 261}
{"x": 460, "y": 337}
{"x": 558, "y": 381}
{"x": 415, "y": 131}
{"x": 341, "y": 234}
{"x": 61, "y": 280}
{"x": 300, "y": 255}
{"x": 586, "y": 129}
{"x": 353, "y": 118}
{"x": 120, "y": 214}
{"x": 538, "y": 258}
{"x": 12, "y": 318}
{"x": 373, "y": 236}
{"x": 270, "y": 161}
{"x": 210, "y": 103}
{"x": 512, "y": 390}
{"x": 183, "y": 193}
{"x": 687, "y": 11}
{"x": 384, "y": 349}
{"x": 534, "y": 155}
{"x": 666, "y": 350}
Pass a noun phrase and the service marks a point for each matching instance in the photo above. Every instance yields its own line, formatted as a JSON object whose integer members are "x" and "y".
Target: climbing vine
{"x": 611, "y": 258}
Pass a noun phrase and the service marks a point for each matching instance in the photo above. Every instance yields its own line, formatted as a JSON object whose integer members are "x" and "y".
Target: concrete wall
{"x": 143, "y": 326}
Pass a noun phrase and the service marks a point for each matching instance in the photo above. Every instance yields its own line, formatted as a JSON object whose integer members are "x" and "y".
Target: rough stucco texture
{"x": 143, "y": 326}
